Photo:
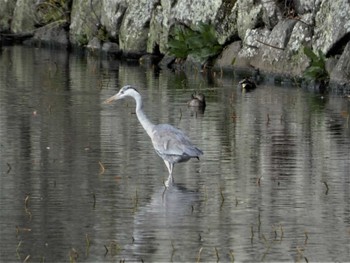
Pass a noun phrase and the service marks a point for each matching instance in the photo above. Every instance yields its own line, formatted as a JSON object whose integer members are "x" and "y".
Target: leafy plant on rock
{"x": 317, "y": 68}
{"x": 201, "y": 43}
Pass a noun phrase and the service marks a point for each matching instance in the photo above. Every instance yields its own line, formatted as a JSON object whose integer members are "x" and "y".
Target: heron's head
{"x": 125, "y": 91}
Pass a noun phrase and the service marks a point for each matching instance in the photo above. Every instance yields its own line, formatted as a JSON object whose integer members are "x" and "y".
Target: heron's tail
{"x": 194, "y": 152}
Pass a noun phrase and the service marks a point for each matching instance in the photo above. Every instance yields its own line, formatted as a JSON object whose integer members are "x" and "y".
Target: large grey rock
{"x": 53, "y": 34}
{"x": 135, "y": 26}
{"x": 6, "y": 14}
{"x": 225, "y": 22}
{"x": 23, "y": 20}
{"x": 249, "y": 16}
{"x": 159, "y": 28}
{"x": 94, "y": 45}
{"x": 85, "y": 21}
{"x": 305, "y": 6}
{"x": 110, "y": 48}
{"x": 112, "y": 13}
{"x": 332, "y": 23}
{"x": 271, "y": 55}
{"x": 271, "y": 14}
{"x": 341, "y": 72}
{"x": 228, "y": 56}
{"x": 252, "y": 43}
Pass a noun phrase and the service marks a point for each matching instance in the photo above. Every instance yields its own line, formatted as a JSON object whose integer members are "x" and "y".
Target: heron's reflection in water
{"x": 165, "y": 225}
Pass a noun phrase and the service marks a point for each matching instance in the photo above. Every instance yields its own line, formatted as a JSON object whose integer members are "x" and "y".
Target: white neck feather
{"x": 145, "y": 122}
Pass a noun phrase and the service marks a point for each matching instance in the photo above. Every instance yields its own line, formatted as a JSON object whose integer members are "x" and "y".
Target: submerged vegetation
{"x": 202, "y": 43}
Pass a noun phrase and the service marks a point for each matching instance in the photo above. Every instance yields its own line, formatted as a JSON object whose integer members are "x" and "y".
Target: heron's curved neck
{"x": 145, "y": 122}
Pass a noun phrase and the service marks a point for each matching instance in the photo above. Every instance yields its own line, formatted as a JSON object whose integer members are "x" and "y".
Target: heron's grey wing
{"x": 167, "y": 139}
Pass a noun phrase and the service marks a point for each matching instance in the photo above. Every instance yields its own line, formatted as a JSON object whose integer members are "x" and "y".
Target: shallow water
{"x": 80, "y": 178}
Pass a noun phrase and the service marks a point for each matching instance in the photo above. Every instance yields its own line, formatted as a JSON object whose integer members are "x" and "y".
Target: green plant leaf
{"x": 201, "y": 43}
{"x": 317, "y": 69}
{"x": 310, "y": 53}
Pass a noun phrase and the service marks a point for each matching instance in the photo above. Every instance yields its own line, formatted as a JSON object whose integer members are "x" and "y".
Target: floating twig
{"x": 327, "y": 188}
{"x": 217, "y": 254}
{"x": 9, "y": 168}
{"x": 306, "y": 238}
{"x": 106, "y": 249}
{"x": 300, "y": 252}
{"x": 281, "y": 118}
{"x": 17, "y": 248}
{"x": 94, "y": 197}
{"x": 136, "y": 200}
{"x": 258, "y": 181}
{"x": 26, "y": 259}
{"x": 222, "y": 197}
{"x": 102, "y": 170}
{"x": 87, "y": 244}
{"x": 22, "y": 229}
{"x": 199, "y": 254}
{"x": 232, "y": 256}
{"x": 87, "y": 240}
{"x": 173, "y": 251}
{"x": 26, "y": 200}
{"x": 180, "y": 117}
{"x": 282, "y": 232}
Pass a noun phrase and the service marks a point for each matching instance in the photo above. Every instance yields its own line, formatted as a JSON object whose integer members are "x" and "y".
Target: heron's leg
{"x": 170, "y": 167}
{"x": 169, "y": 181}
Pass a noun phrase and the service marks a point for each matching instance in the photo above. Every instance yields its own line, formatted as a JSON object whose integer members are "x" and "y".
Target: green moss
{"x": 50, "y": 11}
{"x": 82, "y": 40}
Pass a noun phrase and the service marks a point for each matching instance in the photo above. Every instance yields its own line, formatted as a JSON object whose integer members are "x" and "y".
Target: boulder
{"x": 6, "y": 14}
{"x": 85, "y": 21}
{"x": 341, "y": 71}
{"x": 53, "y": 34}
{"x": 23, "y": 19}
{"x": 332, "y": 23}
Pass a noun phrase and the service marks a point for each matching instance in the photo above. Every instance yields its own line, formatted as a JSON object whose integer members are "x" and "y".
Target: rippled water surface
{"x": 80, "y": 180}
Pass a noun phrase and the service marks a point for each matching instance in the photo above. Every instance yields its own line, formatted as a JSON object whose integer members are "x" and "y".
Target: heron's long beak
{"x": 111, "y": 99}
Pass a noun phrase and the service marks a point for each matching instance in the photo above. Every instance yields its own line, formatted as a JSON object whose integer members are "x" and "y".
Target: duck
{"x": 247, "y": 84}
{"x": 197, "y": 100}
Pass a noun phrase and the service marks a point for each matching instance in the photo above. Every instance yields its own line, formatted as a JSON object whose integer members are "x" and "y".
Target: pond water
{"x": 80, "y": 180}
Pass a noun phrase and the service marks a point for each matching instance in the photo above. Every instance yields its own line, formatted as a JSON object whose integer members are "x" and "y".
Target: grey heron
{"x": 170, "y": 143}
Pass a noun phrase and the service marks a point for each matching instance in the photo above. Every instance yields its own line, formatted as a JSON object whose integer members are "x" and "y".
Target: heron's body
{"x": 170, "y": 143}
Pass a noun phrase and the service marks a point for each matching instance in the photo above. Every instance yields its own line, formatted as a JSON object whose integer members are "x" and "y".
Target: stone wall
{"x": 268, "y": 35}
